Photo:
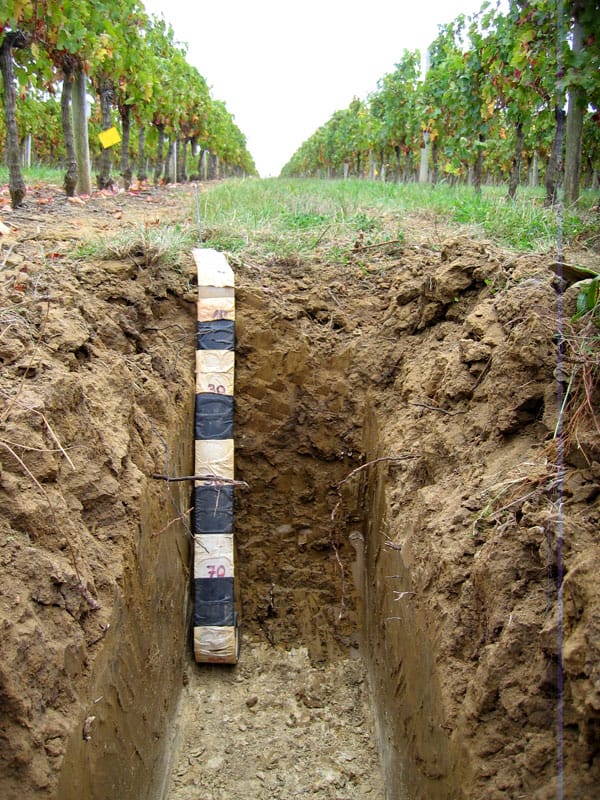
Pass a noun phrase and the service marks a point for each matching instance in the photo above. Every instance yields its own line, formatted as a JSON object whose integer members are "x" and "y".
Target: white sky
{"x": 283, "y": 68}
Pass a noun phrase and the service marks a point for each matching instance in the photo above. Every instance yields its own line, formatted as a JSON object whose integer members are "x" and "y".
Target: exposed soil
{"x": 277, "y": 727}
{"x": 439, "y": 566}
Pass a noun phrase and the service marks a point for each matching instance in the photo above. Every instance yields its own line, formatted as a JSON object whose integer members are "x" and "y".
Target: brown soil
{"x": 439, "y": 567}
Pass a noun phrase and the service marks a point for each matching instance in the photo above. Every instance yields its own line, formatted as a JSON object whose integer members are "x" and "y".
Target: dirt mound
{"x": 394, "y": 422}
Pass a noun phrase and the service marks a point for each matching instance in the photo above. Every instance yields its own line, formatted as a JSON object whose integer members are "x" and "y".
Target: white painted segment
{"x": 214, "y": 457}
{"x": 213, "y": 268}
{"x": 215, "y": 291}
{"x": 211, "y": 308}
{"x": 213, "y": 556}
{"x": 215, "y": 371}
{"x": 214, "y": 644}
{"x": 216, "y": 544}
{"x": 215, "y": 360}
{"x": 212, "y": 566}
{"x": 215, "y": 382}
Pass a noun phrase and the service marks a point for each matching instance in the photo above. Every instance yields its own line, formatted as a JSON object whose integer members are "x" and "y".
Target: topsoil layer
{"x": 395, "y": 424}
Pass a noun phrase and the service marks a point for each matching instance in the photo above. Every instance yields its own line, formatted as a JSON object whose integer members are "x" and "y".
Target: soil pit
{"x": 294, "y": 718}
{"x": 394, "y": 424}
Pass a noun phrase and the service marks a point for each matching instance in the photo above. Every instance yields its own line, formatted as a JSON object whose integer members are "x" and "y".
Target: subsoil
{"x": 408, "y": 519}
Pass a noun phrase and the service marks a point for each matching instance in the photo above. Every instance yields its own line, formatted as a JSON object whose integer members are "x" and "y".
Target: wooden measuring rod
{"x": 216, "y": 632}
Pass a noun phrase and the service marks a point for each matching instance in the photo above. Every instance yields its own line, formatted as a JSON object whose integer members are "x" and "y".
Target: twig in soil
{"x": 320, "y": 237}
{"x": 104, "y": 630}
{"x": 333, "y": 297}
{"x": 7, "y": 329}
{"x": 534, "y": 480}
{"x": 168, "y": 481}
{"x": 185, "y": 334}
{"x": 54, "y": 437}
{"x": 438, "y": 408}
{"x": 7, "y": 256}
{"x": 483, "y": 373}
{"x": 59, "y": 448}
{"x": 34, "y": 449}
{"x": 401, "y": 595}
{"x": 354, "y": 472}
{"x": 30, "y": 300}
{"x": 336, "y": 551}
{"x": 178, "y": 518}
{"x": 28, "y": 216}
{"x": 548, "y": 488}
{"x": 392, "y": 546}
{"x": 209, "y": 478}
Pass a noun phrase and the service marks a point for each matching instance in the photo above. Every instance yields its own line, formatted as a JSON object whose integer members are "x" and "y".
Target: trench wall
{"x": 295, "y": 428}
{"x": 418, "y": 758}
{"x": 133, "y": 692}
{"x": 95, "y": 582}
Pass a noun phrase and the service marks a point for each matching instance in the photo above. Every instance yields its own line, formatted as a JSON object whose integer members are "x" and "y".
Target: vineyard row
{"x": 75, "y": 68}
{"x": 503, "y": 91}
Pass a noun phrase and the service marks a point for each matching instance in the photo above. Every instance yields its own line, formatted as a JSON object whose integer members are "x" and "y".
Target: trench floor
{"x": 276, "y": 727}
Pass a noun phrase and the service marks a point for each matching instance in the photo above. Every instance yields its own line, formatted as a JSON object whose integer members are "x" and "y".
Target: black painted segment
{"x": 221, "y": 615}
{"x": 213, "y": 416}
{"x": 213, "y": 509}
{"x": 218, "y": 334}
{"x": 213, "y": 602}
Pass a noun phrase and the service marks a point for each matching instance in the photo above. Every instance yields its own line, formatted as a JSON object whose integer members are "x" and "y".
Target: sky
{"x": 283, "y": 68}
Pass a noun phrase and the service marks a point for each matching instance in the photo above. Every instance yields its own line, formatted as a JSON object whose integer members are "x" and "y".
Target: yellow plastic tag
{"x": 109, "y": 137}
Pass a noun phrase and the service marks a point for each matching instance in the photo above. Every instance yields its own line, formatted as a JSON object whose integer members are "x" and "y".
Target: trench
{"x": 332, "y": 698}
{"x": 328, "y": 700}
{"x": 294, "y": 718}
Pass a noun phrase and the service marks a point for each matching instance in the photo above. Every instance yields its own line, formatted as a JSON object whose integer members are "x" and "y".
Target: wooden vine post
{"x": 425, "y": 149}
{"x": 80, "y": 130}
{"x": 216, "y": 634}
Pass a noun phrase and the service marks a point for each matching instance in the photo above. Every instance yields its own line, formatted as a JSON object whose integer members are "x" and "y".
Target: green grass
{"x": 164, "y": 245}
{"x": 303, "y": 213}
{"x": 36, "y": 175}
{"x": 275, "y": 217}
